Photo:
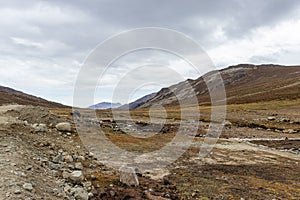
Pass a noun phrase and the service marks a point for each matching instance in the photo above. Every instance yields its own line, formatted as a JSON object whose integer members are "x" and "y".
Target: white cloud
{"x": 44, "y": 42}
{"x": 265, "y": 44}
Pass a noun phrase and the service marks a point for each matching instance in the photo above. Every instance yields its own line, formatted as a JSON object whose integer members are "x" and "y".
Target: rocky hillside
{"x": 244, "y": 83}
{"x": 11, "y": 96}
{"x": 138, "y": 102}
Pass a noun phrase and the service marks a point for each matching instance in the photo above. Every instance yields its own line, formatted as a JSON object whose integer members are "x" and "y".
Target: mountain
{"x": 11, "y": 96}
{"x": 138, "y": 102}
{"x": 105, "y": 106}
{"x": 244, "y": 83}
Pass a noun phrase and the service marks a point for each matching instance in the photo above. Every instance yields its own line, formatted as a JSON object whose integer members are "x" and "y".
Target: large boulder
{"x": 128, "y": 176}
{"x": 64, "y": 126}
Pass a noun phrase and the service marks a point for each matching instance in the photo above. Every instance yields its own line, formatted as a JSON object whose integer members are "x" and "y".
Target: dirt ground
{"x": 256, "y": 157}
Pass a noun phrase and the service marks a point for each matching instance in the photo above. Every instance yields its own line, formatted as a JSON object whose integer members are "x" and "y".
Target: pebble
{"x": 76, "y": 176}
{"x": 17, "y": 192}
{"x": 28, "y": 186}
{"x": 78, "y": 165}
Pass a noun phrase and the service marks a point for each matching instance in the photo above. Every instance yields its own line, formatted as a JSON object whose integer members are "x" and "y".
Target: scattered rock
{"x": 289, "y": 131}
{"x": 17, "y": 192}
{"x": 29, "y": 167}
{"x": 284, "y": 119}
{"x": 76, "y": 176}
{"x": 64, "y": 126}
{"x": 271, "y": 118}
{"x": 80, "y": 193}
{"x": 81, "y": 158}
{"x": 28, "y": 186}
{"x": 58, "y": 158}
{"x": 39, "y": 127}
{"x": 68, "y": 159}
{"x": 128, "y": 176}
{"x": 78, "y": 165}
{"x": 152, "y": 197}
{"x": 66, "y": 175}
{"x": 227, "y": 123}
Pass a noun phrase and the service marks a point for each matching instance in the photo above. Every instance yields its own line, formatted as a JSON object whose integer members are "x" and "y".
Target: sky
{"x": 44, "y": 44}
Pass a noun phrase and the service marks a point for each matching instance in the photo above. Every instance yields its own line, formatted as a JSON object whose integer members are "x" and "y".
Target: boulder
{"x": 271, "y": 118}
{"x": 80, "y": 193}
{"x": 76, "y": 177}
{"x": 64, "y": 126}
{"x": 28, "y": 186}
{"x": 128, "y": 176}
{"x": 39, "y": 127}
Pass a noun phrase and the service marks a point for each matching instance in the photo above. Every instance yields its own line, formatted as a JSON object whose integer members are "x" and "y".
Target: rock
{"x": 58, "y": 158}
{"x": 39, "y": 127}
{"x": 271, "y": 118}
{"x": 67, "y": 188}
{"x": 152, "y": 197}
{"x": 80, "y": 193}
{"x": 55, "y": 191}
{"x": 81, "y": 158}
{"x": 87, "y": 185}
{"x": 68, "y": 159}
{"x": 17, "y": 192}
{"x": 128, "y": 176}
{"x": 66, "y": 175}
{"x": 284, "y": 119}
{"x": 28, "y": 186}
{"x": 29, "y": 167}
{"x": 78, "y": 165}
{"x": 64, "y": 126}
{"x": 76, "y": 176}
{"x": 53, "y": 166}
{"x": 289, "y": 131}
{"x": 227, "y": 123}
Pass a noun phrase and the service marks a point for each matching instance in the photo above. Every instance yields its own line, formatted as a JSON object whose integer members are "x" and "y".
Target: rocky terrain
{"x": 43, "y": 154}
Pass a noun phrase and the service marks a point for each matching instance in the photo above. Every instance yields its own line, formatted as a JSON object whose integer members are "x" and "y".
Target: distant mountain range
{"x": 105, "y": 106}
{"x": 11, "y": 96}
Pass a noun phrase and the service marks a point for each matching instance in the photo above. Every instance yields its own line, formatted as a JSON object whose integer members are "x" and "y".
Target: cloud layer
{"x": 44, "y": 43}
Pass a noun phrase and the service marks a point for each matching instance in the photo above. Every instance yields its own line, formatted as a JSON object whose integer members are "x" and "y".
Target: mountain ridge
{"x": 244, "y": 83}
{"x": 11, "y": 96}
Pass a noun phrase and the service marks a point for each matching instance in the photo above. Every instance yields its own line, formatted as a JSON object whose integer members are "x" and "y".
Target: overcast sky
{"x": 44, "y": 43}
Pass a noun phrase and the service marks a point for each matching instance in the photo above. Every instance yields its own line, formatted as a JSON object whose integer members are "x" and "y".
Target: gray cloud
{"x": 48, "y": 40}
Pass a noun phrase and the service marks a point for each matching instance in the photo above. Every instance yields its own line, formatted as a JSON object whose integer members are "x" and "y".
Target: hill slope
{"x": 244, "y": 83}
{"x": 138, "y": 102}
{"x": 11, "y": 96}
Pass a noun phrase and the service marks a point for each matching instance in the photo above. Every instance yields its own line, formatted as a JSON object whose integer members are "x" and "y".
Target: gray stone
{"x": 17, "y": 192}
{"x": 64, "y": 126}
{"x": 66, "y": 174}
{"x": 78, "y": 165}
{"x": 68, "y": 158}
{"x": 271, "y": 118}
{"x": 81, "y": 158}
{"x": 80, "y": 193}
{"x": 128, "y": 176}
{"x": 39, "y": 127}
{"x": 58, "y": 158}
{"x": 76, "y": 176}
{"x": 27, "y": 186}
